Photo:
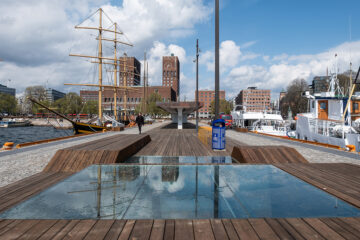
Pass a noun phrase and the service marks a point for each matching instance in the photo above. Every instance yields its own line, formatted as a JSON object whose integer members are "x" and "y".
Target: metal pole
{"x": 197, "y": 86}
{"x": 217, "y": 75}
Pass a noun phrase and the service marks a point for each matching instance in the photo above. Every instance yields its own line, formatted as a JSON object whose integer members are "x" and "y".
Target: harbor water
{"x": 31, "y": 134}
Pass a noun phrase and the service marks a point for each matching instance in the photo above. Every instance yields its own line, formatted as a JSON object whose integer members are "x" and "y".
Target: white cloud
{"x": 282, "y": 69}
{"x": 38, "y": 35}
{"x": 229, "y": 56}
{"x": 155, "y": 55}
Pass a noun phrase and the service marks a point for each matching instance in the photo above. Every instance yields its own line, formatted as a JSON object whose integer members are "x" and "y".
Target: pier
{"x": 332, "y": 171}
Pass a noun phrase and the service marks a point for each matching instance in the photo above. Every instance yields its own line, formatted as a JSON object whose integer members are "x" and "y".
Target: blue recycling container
{"x": 218, "y": 134}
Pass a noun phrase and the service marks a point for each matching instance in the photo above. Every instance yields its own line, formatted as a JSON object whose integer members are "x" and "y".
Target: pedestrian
{"x": 139, "y": 121}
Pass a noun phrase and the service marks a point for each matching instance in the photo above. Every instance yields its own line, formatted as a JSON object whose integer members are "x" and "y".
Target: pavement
{"x": 20, "y": 163}
{"x": 313, "y": 153}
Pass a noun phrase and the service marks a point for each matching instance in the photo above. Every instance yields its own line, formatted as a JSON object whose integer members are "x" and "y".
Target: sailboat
{"x": 100, "y": 60}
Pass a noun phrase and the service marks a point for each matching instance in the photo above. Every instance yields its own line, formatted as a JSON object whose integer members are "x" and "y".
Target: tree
{"x": 70, "y": 104}
{"x": 294, "y": 98}
{"x": 90, "y": 107}
{"x": 151, "y": 107}
{"x": 224, "y": 106}
{"x": 8, "y": 103}
{"x": 38, "y": 93}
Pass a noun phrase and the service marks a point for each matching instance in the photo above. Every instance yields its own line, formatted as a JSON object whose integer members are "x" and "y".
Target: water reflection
{"x": 180, "y": 191}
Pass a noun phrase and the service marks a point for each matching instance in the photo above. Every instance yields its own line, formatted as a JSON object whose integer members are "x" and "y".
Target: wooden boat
{"x": 78, "y": 126}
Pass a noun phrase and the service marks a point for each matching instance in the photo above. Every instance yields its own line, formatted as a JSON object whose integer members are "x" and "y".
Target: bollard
{"x": 8, "y": 146}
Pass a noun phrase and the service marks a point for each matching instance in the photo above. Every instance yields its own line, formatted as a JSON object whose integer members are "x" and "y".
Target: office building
{"x": 52, "y": 95}
{"x": 171, "y": 73}
{"x": 255, "y": 100}
{"x": 206, "y": 97}
{"x": 130, "y": 68}
{"x": 7, "y": 90}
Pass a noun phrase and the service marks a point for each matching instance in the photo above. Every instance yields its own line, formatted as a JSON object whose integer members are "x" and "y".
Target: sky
{"x": 263, "y": 43}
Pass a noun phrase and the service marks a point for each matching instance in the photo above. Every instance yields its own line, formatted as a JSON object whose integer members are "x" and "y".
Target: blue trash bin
{"x": 218, "y": 134}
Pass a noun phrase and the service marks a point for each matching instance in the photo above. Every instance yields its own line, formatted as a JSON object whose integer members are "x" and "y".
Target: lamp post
{"x": 197, "y": 86}
{"x": 217, "y": 73}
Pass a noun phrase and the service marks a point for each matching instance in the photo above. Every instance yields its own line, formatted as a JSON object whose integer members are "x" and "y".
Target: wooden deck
{"x": 267, "y": 154}
{"x": 17, "y": 192}
{"x": 341, "y": 180}
{"x": 113, "y": 149}
{"x": 168, "y": 141}
{"x": 203, "y": 229}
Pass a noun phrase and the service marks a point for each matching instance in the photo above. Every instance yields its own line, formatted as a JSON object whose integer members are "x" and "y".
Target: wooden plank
{"x": 351, "y": 225}
{"x": 80, "y": 230}
{"x": 323, "y": 229}
{"x": 339, "y": 229}
{"x": 158, "y": 230}
{"x": 304, "y": 229}
{"x": 67, "y": 228}
{"x": 230, "y": 230}
{"x": 125, "y": 233}
{"x": 290, "y": 229}
{"x": 184, "y": 229}
{"x": 100, "y": 229}
{"x": 278, "y": 229}
{"x": 9, "y": 225}
{"x": 169, "y": 233}
{"x": 38, "y": 229}
{"x": 244, "y": 229}
{"x": 115, "y": 230}
{"x": 141, "y": 230}
{"x": 218, "y": 229}
{"x": 19, "y": 229}
{"x": 52, "y": 231}
{"x": 263, "y": 230}
{"x": 203, "y": 230}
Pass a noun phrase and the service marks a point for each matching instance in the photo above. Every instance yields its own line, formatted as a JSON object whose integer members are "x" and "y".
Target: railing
{"x": 205, "y": 135}
{"x": 330, "y": 128}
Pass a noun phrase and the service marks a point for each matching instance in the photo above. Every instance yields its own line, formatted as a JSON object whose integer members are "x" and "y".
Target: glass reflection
{"x": 180, "y": 191}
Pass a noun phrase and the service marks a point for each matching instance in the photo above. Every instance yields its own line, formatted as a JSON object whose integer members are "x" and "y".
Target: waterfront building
{"x": 320, "y": 84}
{"x": 133, "y": 97}
{"x": 206, "y": 97}
{"x": 255, "y": 100}
{"x": 171, "y": 73}
{"x": 131, "y": 68}
{"x": 52, "y": 95}
{"x": 6, "y": 90}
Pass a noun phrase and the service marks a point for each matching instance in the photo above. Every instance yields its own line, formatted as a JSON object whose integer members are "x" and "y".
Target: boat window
{"x": 323, "y": 105}
{"x": 313, "y": 104}
{"x": 355, "y": 106}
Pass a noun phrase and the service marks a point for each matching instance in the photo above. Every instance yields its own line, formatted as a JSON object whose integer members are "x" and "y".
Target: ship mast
{"x": 100, "y": 67}
{"x": 100, "y": 62}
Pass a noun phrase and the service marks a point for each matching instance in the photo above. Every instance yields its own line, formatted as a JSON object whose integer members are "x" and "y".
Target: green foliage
{"x": 8, "y": 103}
{"x": 38, "y": 93}
{"x": 70, "y": 104}
{"x": 294, "y": 98}
{"x": 90, "y": 107}
{"x": 151, "y": 107}
{"x": 224, "y": 106}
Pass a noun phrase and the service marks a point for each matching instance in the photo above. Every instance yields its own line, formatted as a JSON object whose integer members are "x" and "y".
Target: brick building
{"x": 206, "y": 97}
{"x": 171, "y": 73}
{"x": 133, "y": 97}
{"x": 255, "y": 100}
{"x": 131, "y": 69}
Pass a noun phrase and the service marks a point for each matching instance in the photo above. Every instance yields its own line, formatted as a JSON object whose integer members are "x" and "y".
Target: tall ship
{"x": 118, "y": 66}
{"x": 333, "y": 118}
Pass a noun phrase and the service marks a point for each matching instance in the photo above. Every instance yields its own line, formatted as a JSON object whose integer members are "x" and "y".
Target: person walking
{"x": 139, "y": 121}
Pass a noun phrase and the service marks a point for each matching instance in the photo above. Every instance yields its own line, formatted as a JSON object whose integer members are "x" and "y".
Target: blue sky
{"x": 264, "y": 43}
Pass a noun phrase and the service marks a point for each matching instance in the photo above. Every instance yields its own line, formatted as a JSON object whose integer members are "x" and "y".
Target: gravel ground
{"x": 319, "y": 155}
{"x": 17, "y": 166}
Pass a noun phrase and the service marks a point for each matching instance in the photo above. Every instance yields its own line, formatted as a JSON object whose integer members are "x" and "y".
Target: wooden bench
{"x": 109, "y": 150}
{"x": 267, "y": 154}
